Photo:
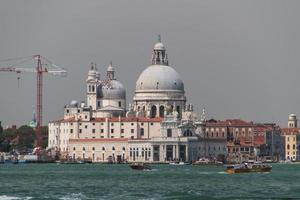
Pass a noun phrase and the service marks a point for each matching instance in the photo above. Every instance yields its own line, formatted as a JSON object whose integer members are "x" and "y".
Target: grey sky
{"x": 238, "y": 59}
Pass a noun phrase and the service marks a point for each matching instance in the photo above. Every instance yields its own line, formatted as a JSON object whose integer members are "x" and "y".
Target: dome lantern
{"x": 159, "y": 55}
{"x": 111, "y": 72}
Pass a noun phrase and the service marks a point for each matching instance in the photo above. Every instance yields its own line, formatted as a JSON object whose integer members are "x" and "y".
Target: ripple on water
{"x": 52, "y": 181}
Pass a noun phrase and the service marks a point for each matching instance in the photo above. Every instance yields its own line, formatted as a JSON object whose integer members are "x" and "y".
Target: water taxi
{"x": 140, "y": 166}
{"x": 247, "y": 168}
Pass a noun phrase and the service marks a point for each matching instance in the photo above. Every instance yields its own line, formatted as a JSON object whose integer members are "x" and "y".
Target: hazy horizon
{"x": 238, "y": 59}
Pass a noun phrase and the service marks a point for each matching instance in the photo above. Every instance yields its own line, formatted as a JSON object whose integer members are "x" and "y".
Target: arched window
{"x": 294, "y": 147}
{"x": 178, "y": 109}
{"x": 153, "y": 111}
{"x": 89, "y": 88}
{"x": 83, "y": 148}
{"x": 288, "y": 146}
{"x": 74, "y": 148}
{"x": 187, "y": 133}
{"x": 93, "y": 88}
{"x": 113, "y": 148}
{"x": 93, "y": 148}
{"x": 142, "y": 131}
{"x": 123, "y": 148}
{"x": 103, "y": 148}
{"x": 161, "y": 111}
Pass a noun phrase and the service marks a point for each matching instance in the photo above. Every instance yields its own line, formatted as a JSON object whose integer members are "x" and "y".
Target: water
{"x": 53, "y": 181}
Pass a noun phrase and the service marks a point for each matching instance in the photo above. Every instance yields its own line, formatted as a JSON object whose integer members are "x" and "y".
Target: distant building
{"x": 291, "y": 139}
{"x": 274, "y": 147}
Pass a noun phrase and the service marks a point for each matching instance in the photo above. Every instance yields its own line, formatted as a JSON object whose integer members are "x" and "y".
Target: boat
{"x": 206, "y": 161}
{"x": 178, "y": 163}
{"x": 247, "y": 168}
{"x": 140, "y": 166}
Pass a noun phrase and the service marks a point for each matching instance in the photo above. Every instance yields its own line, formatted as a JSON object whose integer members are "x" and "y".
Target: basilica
{"x": 158, "y": 125}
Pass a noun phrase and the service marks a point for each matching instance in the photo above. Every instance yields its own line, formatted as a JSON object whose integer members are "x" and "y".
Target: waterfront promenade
{"x": 101, "y": 181}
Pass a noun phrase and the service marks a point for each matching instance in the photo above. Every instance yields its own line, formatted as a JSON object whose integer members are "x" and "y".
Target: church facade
{"x": 157, "y": 126}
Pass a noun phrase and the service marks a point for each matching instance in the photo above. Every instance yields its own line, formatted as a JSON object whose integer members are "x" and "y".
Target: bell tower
{"x": 292, "y": 121}
{"x": 91, "y": 86}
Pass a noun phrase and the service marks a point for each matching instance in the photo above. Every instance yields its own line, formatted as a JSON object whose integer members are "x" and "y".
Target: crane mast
{"x": 39, "y": 70}
{"x": 39, "y": 100}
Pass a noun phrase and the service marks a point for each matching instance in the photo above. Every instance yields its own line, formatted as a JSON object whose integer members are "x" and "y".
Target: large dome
{"x": 159, "y": 77}
{"x": 112, "y": 90}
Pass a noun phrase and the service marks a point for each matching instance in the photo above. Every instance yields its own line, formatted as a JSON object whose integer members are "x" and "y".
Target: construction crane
{"x": 40, "y": 69}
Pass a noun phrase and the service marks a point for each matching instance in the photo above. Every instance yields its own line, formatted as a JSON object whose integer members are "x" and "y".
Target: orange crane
{"x": 40, "y": 69}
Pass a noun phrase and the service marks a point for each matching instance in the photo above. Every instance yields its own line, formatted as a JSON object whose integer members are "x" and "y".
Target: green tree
{"x": 44, "y": 137}
{"x": 5, "y": 139}
{"x": 25, "y": 139}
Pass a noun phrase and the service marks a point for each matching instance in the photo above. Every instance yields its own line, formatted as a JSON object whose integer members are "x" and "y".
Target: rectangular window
{"x": 132, "y": 130}
{"x": 151, "y": 124}
{"x": 122, "y": 124}
{"x": 122, "y": 130}
{"x": 85, "y": 127}
{"x": 111, "y": 136}
{"x": 93, "y": 124}
{"x": 131, "y": 124}
{"x": 112, "y": 124}
{"x": 102, "y": 136}
{"x": 94, "y": 130}
{"x": 71, "y": 130}
{"x": 122, "y": 136}
{"x": 120, "y": 104}
{"x": 142, "y": 132}
{"x": 169, "y": 132}
{"x": 102, "y": 131}
{"x": 111, "y": 130}
{"x": 80, "y": 130}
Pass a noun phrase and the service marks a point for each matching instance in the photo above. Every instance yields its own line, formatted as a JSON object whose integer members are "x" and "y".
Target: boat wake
{"x": 5, "y": 197}
{"x": 150, "y": 170}
{"x": 74, "y": 196}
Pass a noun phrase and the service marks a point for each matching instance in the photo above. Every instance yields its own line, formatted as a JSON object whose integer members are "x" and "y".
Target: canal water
{"x": 99, "y": 181}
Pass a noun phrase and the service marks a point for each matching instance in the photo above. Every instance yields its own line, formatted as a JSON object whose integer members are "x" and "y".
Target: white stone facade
{"x": 157, "y": 127}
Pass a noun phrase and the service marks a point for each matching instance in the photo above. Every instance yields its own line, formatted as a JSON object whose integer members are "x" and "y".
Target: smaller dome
{"x": 74, "y": 103}
{"x": 159, "y": 46}
{"x": 112, "y": 90}
{"x": 110, "y": 68}
{"x": 292, "y": 117}
{"x": 92, "y": 73}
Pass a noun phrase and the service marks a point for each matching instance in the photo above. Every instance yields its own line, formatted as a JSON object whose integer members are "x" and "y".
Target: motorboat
{"x": 178, "y": 163}
{"x": 206, "y": 161}
{"x": 247, "y": 168}
{"x": 140, "y": 166}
